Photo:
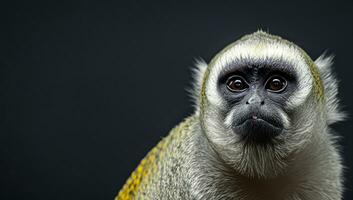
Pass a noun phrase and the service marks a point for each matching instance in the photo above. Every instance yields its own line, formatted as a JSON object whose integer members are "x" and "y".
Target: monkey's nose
{"x": 255, "y": 99}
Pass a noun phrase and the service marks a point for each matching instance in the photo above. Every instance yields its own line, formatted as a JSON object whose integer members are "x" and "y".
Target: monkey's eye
{"x": 236, "y": 84}
{"x": 276, "y": 84}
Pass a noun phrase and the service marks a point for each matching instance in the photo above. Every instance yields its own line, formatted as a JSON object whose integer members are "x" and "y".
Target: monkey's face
{"x": 255, "y": 96}
{"x": 258, "y": 106}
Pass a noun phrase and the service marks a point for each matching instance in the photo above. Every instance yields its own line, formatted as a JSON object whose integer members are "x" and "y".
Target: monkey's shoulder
{"x": 157, "y": 164}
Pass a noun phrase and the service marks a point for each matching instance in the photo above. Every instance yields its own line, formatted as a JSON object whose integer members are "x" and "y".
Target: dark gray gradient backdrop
{"x": 88, "y": 88}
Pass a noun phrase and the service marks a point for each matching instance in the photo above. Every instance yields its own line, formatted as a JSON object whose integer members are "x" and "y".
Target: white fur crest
{"x": 198, "y": 73}
{"x": 324, "y": 64}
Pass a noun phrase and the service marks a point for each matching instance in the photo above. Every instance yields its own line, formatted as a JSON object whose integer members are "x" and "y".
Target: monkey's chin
{"x": 258, "y": 131}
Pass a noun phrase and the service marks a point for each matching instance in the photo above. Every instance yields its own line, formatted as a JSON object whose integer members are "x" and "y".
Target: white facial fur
{"x": 259, "y": 50}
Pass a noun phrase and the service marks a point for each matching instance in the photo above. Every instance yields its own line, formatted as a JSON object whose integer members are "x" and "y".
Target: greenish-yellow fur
{"x": 149, "y": 170}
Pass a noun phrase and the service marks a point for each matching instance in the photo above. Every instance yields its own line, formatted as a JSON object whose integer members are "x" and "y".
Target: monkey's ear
{"x": 324, "y": 64}
{"x": 197, "y": 73}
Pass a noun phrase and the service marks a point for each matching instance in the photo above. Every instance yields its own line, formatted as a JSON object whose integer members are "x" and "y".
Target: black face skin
{"x": 257, "y": 92}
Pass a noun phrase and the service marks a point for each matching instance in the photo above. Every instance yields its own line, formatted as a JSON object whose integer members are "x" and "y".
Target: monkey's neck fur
{"x": 185, "y": 166}
{"x": 309, "y": 168}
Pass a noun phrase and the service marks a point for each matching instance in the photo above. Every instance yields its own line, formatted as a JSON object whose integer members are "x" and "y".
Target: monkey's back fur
{"x": 162, "y": 173}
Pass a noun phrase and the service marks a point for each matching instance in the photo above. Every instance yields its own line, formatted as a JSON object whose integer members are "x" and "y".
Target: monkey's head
{"x": 260, "y": 100}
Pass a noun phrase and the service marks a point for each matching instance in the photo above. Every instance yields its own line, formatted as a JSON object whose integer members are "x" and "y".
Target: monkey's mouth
{"x": 255, "y": 119}
{"x": 258, "y": 129}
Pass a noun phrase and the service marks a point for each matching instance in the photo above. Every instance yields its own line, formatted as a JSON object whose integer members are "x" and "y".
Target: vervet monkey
{"x": 260, "y": 130}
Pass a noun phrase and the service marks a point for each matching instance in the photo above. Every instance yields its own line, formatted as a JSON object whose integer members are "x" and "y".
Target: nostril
{"x": 247, "y": 102}
{"x": 262, "y": 102}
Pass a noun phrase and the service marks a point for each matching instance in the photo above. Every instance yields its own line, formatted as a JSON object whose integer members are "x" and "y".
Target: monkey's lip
{"x": 255, "y": 119}
{"x": 258, "y": 130}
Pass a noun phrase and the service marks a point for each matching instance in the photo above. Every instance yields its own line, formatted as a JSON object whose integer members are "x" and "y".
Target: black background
{"x": 87, "y": 88}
